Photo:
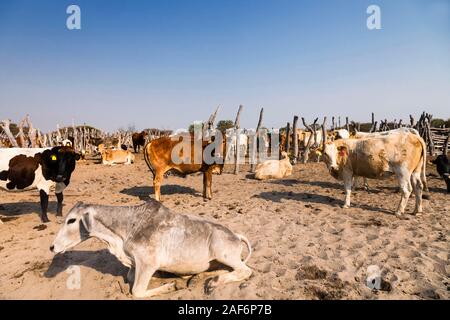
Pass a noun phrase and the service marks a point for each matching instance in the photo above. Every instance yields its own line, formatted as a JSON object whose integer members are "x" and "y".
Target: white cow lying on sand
{"x": 150, "y": 237}
{"x": 274, "y": 169}
{"x": 115, "y": 156}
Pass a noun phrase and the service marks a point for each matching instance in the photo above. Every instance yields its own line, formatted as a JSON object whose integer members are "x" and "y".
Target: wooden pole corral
{"x": 295, "y": 138}
{"x": 5, "y": 124}
{"x": 39, "y": 139}
{"x": 212, "y": 119}
{"x": 288, "y": 134}
{"x": 305, "y": 156}
{"x": 21, "y": 134}
{"x": 31, "y": 132}
{"x": 430, "y": 138}
{"x": 209, "y": 125}
{"x": 445, "y": 148}
{"x": 324, "y": 136}
{"x": 347, "y": 125}
{"x": 374, "y": 128}
{"x": 255, "y": 141}
{"x": 315, "y": 132}
{"x": 237, "y": 151}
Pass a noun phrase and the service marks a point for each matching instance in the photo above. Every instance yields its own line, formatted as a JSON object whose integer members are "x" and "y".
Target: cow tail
{"x": 147, "y": 158}
{"x": 424, "y": 166}
{"x": 247, "y": 243}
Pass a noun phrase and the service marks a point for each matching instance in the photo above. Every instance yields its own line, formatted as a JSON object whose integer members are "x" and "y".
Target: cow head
{"x": 58, "y": 163}
{"x": 76, "y": 228}
{"x": 334, "y": 154}
{"x": 441, "y": 159}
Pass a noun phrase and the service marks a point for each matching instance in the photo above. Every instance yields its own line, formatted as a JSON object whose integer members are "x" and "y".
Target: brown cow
{"x": 138, "y": 140}
{"x": 158, "y": 155}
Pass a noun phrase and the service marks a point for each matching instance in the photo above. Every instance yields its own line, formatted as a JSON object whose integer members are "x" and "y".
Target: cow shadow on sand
{"x": 309, "y": 198}
{"x": 334, "y": 185}
{"x": 104, "y": 262}
{"x": 143, "y": 192}
{"x": 25, "y": 207}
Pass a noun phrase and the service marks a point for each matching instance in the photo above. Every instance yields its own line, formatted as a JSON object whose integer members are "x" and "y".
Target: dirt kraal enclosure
{"x": 304, "y": 202}
{"x": 305, "y": 245}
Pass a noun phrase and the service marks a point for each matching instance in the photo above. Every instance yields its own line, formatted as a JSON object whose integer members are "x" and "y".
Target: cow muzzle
{"x": 334, "y": 171}
{"x": 334, "y": 168}
{"x": 59, "y": 178}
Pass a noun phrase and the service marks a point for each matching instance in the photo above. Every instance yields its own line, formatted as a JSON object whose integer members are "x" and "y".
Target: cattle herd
{"x": 150, "y": 237}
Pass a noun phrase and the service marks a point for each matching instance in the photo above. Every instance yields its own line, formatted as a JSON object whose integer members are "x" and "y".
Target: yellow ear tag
{"x": 53, "y": 157}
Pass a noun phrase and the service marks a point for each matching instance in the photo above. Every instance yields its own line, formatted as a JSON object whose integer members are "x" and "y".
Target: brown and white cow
{"x": 401, "y": 153}
{"x": 172, "y": 154}
{"x": 139, "y": 139}
{"x": 38, "y": 168}
{"x": 361, "y": 135}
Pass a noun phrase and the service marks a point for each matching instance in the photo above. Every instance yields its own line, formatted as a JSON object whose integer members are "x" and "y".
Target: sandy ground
{"x": 305, "y": 245}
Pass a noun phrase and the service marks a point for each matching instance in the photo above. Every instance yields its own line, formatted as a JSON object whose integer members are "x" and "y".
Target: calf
{"x": 139, "y": 140}
{"x": 443, "y": 168}
{"x": 274, "y": 169}
{"x": 402, "y": 153}
{"x": 150, "y": 237}
{"x": 38, "y": 168}
{"x": 160, "y": 154}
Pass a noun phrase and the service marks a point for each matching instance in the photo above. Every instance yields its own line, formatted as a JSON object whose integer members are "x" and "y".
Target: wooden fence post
{"x": 255, "y": 142}
{"x": 295, "y": 138}
{"x": 287, "y": 142}
{"x": 237, "y": 150}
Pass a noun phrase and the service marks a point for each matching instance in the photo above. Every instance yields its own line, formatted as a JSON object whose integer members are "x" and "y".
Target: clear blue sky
{"x": 167, "y": 63}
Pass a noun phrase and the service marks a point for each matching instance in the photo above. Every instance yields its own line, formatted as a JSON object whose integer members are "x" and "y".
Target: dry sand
{"x": 305, "y": 245}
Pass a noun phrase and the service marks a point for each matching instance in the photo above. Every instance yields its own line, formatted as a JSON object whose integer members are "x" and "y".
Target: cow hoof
{"x": 398, "y": 214}
{"x": 345, "y": 207}
{"x": 45, "y": 219}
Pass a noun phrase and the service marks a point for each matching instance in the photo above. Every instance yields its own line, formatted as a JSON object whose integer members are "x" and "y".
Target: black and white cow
{"x": 38, "y": 168}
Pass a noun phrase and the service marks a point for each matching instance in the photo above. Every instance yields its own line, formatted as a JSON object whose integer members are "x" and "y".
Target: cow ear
{"x": 38, "y": 157}
{"x": 86, "y": 221}
{"x": 43, "y": 156}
